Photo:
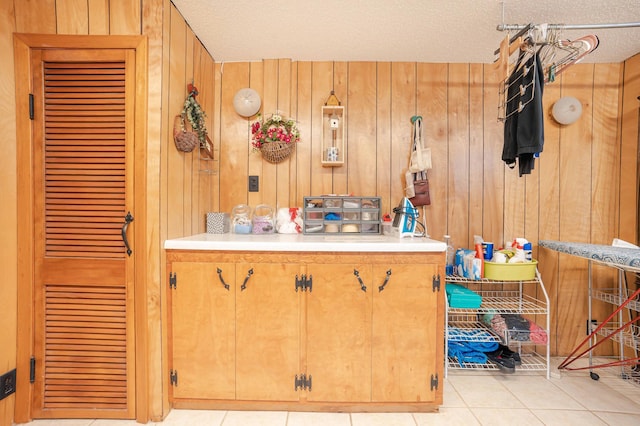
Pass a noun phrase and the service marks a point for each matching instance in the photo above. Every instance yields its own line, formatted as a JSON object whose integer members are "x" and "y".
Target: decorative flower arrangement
{"x": 275, "y": 129}
{"x": 195, "y": 115}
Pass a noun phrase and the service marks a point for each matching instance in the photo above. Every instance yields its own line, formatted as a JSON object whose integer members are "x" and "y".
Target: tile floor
{"x": 470, "y": 398}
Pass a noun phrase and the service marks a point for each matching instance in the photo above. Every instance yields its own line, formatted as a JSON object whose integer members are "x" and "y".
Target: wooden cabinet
{"x": 338, "y": 333}
{"x": 407, "y": 333}
{"x": 203, "y": 329}
{"x": 321, "y": 331}
{"x": 267, "y": 331}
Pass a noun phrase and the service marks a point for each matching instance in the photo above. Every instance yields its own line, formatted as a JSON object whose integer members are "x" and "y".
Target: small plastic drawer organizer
{"x": 334, "y": 214}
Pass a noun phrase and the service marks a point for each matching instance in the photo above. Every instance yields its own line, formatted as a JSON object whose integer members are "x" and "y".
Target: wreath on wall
{"x": 275, "y": 137}
{"x": 190, "y": 128}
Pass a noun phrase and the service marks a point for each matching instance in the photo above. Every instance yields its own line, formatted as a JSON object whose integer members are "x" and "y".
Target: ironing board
{"x": 624, "y": 260}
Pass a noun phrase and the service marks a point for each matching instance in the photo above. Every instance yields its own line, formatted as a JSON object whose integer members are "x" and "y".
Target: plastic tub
{"x": 510, "y": 271}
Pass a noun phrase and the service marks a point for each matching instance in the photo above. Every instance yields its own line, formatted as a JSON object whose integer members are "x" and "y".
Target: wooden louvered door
{"x": 83, "y": 316}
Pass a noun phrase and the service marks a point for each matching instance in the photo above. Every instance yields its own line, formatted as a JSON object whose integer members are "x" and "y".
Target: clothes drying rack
{"x": 556, "y": 54}
{"x": 623, "y": 259}
{"x": 525, "y": 28}
{"x": 513, "y": 42}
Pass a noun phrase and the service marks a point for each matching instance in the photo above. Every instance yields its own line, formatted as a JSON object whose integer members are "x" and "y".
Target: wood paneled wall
{"x": 178, "y": 184}
{"x": 8, "y": 213}
{"x": 584, "y": 187}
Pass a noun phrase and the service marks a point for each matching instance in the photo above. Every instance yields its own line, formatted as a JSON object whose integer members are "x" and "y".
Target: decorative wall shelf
{"x": 333, "y": 115}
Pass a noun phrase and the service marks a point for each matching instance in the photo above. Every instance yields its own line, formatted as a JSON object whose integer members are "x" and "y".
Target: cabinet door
{"x": 268, "y": 331}
{"x": 203, "y": 331}
{"x": 405, "y": 333}
{"x": 338, "y": 333}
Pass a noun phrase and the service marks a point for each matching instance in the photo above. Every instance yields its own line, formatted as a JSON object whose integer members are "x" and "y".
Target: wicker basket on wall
{"x": 186, "y": 140}
{"x": 275, "y": 152}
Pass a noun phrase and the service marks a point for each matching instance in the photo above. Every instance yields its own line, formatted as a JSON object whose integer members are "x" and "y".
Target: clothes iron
{"x": 405, "y": 219}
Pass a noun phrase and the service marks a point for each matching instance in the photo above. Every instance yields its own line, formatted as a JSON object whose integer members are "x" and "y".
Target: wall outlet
{"x": 7, "y": 384}
{"x": 254, "y": 184}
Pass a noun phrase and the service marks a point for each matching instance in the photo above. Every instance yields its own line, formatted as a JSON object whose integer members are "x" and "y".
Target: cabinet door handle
{"x": 246, "y": 279}
{"x": 222, "y": 279}
{"x": 362, "y": 286}
{"x": 386, "y": 281}
{"x": 127, "y": 220}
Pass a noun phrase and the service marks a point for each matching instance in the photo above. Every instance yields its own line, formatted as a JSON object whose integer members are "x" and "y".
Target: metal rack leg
{"x": 593, "y": 375}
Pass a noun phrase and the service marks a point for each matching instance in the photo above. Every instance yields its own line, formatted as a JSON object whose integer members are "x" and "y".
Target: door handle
{"x": 246, "y": 279}
{"x": 386, "y": 281}
{"x": 362, "y": 286}
{"x": 222, "y": 279}
{"x": 127, "y": 220}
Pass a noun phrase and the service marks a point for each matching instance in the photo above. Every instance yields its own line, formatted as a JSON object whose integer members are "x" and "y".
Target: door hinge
{"x": 32, "y": 369}
{"x": 303, "y": 283}
{"x": 436, "y": 283}
{"x": 434, "y": 382}
{"x": 173, "y": 280}
{"x": 31, "y": 106}
{"x": 303, "y": 382}
{"x": 173, "y": 377}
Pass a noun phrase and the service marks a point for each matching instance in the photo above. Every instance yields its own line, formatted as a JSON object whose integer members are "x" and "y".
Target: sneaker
{"x": 506, "y": 365}
{"x": 508, "y": 353}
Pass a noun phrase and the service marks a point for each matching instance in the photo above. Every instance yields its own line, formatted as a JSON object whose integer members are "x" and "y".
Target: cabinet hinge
{"x": 434, "y": 382}
{"x": 31, "y": 106}
{"x": 173, "y": 280}
{"x": 173, "y": 377}
{"x": 300, "y": 282}
{"x": 436, "y": 282}
{"x": 303, "y": 382}
{"x": 303, "y": 283}
{"x": 32, "y": 369}
{"x": 308, "y": 284}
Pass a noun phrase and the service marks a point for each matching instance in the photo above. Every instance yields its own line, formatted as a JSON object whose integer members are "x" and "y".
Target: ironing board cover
{"x": 620, "y": 257}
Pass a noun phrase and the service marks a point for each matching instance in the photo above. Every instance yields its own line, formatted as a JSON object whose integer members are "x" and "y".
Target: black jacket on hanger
{"x": 524, "y": 129}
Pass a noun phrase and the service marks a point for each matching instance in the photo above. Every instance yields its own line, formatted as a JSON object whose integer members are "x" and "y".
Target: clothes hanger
{"x": 507, "y": 48}
{"x": 512, "y": 86}
{"x": 575, "y": 50}
{"x": 516, "y": 88}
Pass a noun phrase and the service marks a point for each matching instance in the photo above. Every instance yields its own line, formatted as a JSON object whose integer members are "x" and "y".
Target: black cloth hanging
{"x": 524, "y": 128}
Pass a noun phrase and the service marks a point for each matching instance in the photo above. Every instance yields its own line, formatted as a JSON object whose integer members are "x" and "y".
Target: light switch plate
{"x": 254, "y": 184}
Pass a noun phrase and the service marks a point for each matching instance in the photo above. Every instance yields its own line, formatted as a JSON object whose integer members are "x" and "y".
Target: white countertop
{"x": 300, "y": 242}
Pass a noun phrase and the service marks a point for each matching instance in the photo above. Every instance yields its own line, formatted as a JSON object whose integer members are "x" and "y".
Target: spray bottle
{"x": 450, "y": 253}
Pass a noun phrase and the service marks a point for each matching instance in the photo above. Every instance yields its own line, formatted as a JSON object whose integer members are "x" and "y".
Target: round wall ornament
{"x": 246, "y": 102}
{"x": 567, "y": 110}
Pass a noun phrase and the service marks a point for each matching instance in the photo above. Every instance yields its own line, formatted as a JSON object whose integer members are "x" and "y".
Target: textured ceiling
{"x": 397, "y": 30}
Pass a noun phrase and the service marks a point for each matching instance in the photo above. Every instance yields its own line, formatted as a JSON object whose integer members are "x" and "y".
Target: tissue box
{"x": 217, "y": 223}
{"x": 467, "y": 264}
